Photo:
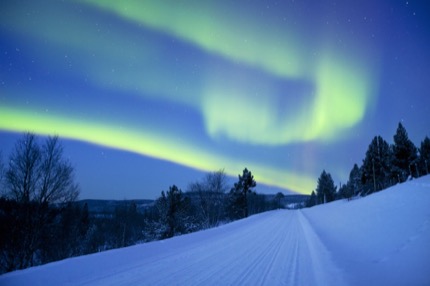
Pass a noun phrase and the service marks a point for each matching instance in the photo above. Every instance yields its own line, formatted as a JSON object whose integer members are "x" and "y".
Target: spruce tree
{"x": 404, "y": 155}
{"x": 172, "y": 206}
{"x": 312, "y": 200}
{"x": 354, "y": 181}
{"x": 326, "y": 190}
{"x": 376, "y": 169}
{"x": 424, "y": 159}
{"x": 239, "y": 194}
{"x": 344, "y": 192}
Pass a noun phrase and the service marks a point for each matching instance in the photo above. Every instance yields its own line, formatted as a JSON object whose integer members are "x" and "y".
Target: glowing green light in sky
{"x": 234, "y": 92}
{"x": 147, "y": 143}
{"x": 212, "y": 29}
{"x": 342, "y": 97}
{"x": 342, "y": 87}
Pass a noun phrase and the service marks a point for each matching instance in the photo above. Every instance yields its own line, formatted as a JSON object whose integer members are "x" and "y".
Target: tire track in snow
{"x": 274, "y": 251}
{"x": 293, "y": 257}
{"x": 267, "y": 259}
{"x": 275, "y": 248}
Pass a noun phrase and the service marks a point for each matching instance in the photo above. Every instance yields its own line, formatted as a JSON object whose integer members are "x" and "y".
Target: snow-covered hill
{"x": 383, "y": 239}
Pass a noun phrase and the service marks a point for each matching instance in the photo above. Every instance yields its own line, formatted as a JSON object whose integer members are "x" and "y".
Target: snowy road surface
{"x": 278, "y": 249}
{"x": 274, "y": 248}
{"x": 383, "y": 239}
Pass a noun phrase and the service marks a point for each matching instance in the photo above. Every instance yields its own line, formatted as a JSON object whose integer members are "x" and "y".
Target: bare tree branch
{"x": 40, "y": 174}
{"x": 21, "y": 176}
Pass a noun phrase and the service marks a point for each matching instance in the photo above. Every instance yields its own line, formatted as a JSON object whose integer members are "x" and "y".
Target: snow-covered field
{"x": 383, "y": 239}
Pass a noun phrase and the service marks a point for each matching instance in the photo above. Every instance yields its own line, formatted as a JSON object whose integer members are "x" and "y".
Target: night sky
{"x": 147, "y": 94}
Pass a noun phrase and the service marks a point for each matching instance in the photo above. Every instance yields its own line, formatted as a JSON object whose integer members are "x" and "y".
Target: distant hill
{"x": 108, "y": 207}
{"x": 294, "y": 199}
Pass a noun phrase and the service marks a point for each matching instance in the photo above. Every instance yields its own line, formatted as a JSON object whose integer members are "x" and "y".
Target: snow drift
{"x": 383, "y": 239}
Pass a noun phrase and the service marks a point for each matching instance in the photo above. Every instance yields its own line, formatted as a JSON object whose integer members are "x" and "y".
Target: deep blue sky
{"x": 146, "y": 94}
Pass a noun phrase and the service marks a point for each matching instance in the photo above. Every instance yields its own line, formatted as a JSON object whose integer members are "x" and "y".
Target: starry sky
{"x": 147, "y": 94}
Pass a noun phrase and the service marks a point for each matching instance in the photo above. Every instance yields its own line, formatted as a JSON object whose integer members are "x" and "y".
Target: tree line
{"x": 384, "y": 165}
{"x": 41, "y": 222}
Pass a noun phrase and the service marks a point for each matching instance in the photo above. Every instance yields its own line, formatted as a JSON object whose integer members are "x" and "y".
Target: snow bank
{"x": 383, "y": 239}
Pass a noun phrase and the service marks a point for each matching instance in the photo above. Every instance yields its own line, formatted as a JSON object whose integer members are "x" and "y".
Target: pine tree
{"x": 84, "y": 223}
{"x": 424, "y": 159}
{"x": 354, "y": 181}
{"x": 239, "y": 194}
{"x": 173, "y": 206}
{"x": 326, "y": 190}
{"x": 278, "y": 198}
{"x": 344, "y": 192}
{"x": 312, "y": 200}
{"x": 404, "y": 155}
{"x": 376, "y": 169}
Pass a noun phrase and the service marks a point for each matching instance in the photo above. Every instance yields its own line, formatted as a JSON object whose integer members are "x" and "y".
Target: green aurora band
{"x": 343, "y": 89}
{"x": 342, "y": 86}
{"x": 147, "y": 144}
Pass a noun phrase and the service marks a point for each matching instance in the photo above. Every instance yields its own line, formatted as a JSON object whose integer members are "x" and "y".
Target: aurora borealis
{"x": 285, "y": 88}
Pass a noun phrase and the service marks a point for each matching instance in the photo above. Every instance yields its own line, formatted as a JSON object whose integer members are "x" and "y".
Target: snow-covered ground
{"x": 383, "y": 239}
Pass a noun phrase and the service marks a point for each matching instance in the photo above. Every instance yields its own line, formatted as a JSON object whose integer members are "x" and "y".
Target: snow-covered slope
{"x": 383, "y": 239}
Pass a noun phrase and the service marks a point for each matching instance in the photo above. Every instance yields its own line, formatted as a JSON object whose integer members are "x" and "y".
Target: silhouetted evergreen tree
{"x": 326, "y": 190}
{"x": 84, "y": 224}
{"x": 404, "y": 162}
{"x": 312, "y": 200}
{"x": 173, "y": 210}
{"x": 16, "y": 244}
{"x": 344, "y": 192}
{"x": 61, "y": 238}
{"x": 2, "y": 173}
{"x": 424, "y": 158}
{"x": 278, "y": 198}
{"x": 128, "y": 225}
{"x": 354, "y": 181}
{"x": 257, "y": 203}
{"x": 376, "y": 169}
{"x": 239, "y": 195}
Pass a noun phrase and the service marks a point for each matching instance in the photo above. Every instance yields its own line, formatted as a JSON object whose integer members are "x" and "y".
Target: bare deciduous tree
{"x": 21, "y": 176}
{"x": 40, "y": 174}
{"x": 56, "y": 175}
{"x": 35, "y": 178}
{"x": 211, "y": 194}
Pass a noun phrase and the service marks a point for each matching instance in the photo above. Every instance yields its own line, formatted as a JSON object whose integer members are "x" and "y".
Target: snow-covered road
{"x": 279, "y": 248}
{"x": 383, "y": 239}
{"x": 274, "y": 248}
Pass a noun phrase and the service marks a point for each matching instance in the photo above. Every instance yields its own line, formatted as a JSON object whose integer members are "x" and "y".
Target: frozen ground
{"x": 383, "y": 239}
